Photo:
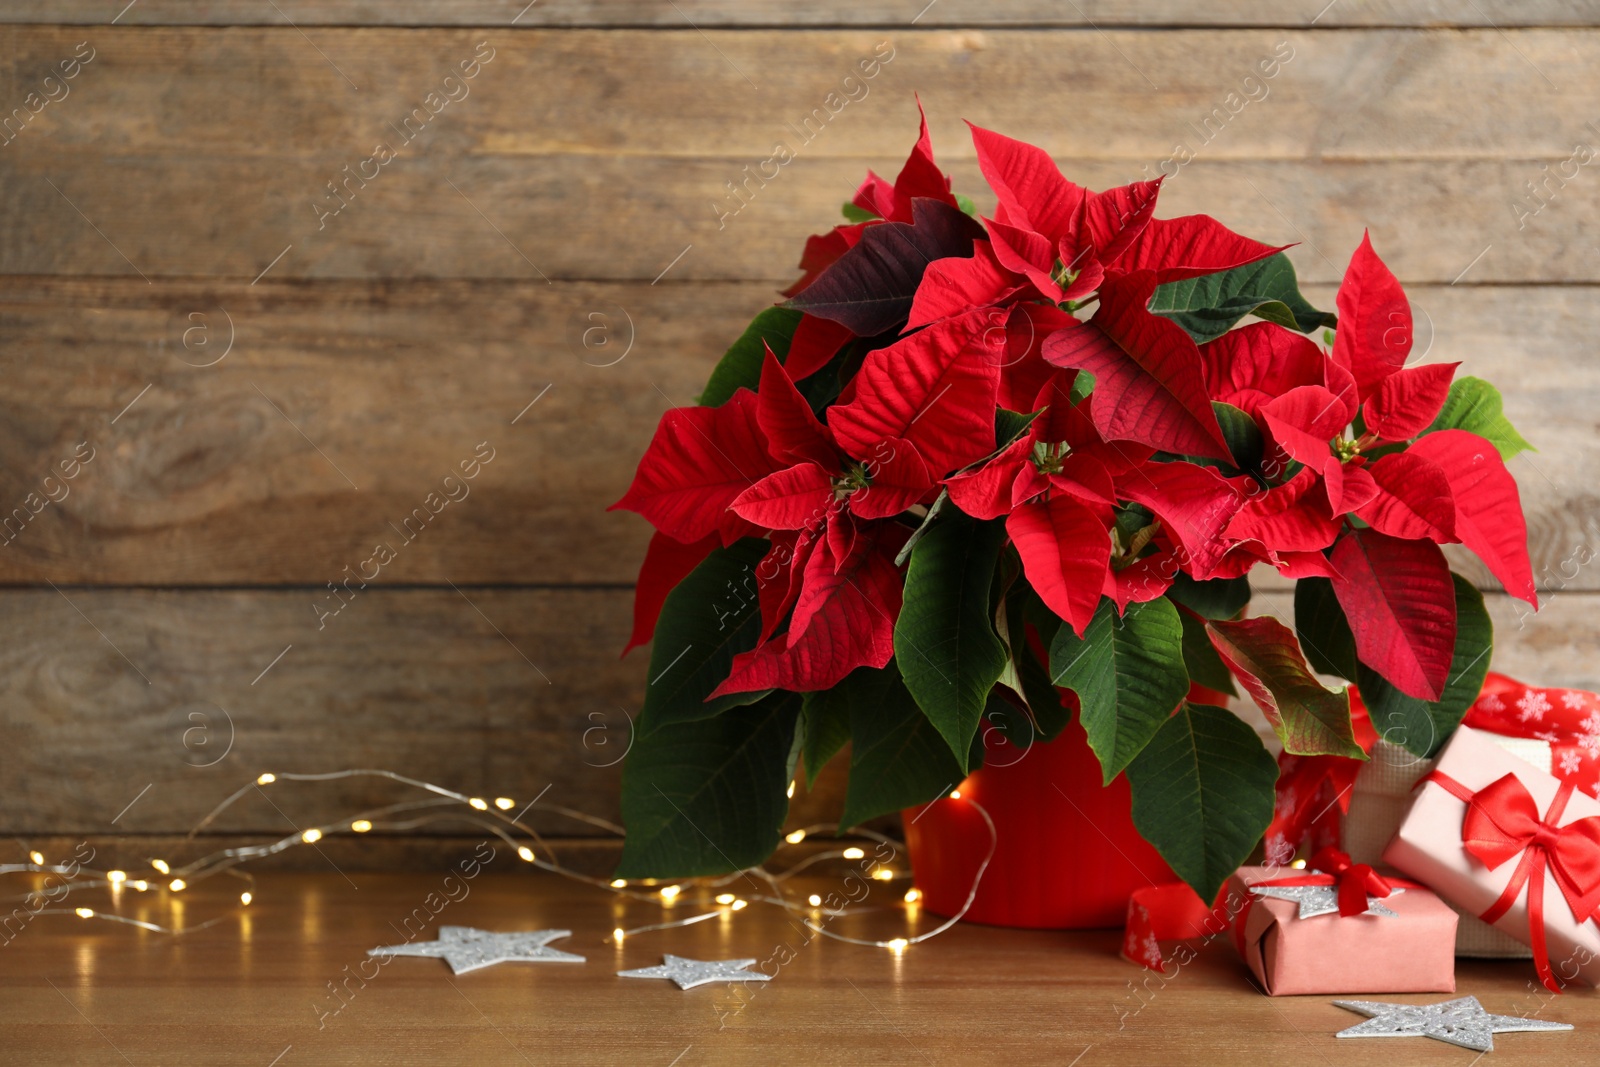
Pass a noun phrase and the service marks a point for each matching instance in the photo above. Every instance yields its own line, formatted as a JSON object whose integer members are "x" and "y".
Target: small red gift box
{"x": 1412, "y": 951}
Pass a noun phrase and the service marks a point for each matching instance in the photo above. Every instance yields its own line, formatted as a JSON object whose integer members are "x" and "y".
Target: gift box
{"x": 1410, "y": 951}
{"x": 1506, "y": 841}
{"x": 1379, "y": 799}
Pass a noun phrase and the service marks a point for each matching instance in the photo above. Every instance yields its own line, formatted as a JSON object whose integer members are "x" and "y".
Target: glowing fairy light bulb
{"x": 726, "y": 898}
{"x": 246, "y": 897}
{"x": 361, "y": 826}
{"x": 161, "y": 865}
{"x": 913, "y": 895}
{"x": 955, "y": 794}
{"x": 177, "y": 885}
{"x": 898, "y": 945}
{"x": 791, "y": 791}
{"x": 618, "y": 934}
{"x": 525, "y": 853}
{"x": 266, "y": 779}
{"x": 670, "y": 893}
{"x": 116, "y": 877}
{"x": 504, "y": 803}
{"x": 883, "y": 874}
{"x": 311, "y": 836}
{"x": 141, "y": 885}
{"x": 740, "y": 905}
{"x": 795, "y": 837}
{"x": 85, "y": 913}
{"x": 852, "y": 853}
{"x": 814, "y": 900}
{"x": 618, "y": 883}
{"x": 37, "y": 858}
{"x": 479, "y": 803}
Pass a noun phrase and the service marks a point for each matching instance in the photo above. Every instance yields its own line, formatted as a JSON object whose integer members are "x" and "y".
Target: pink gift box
{"x": 1411, "y": 952}
{"x": 1428, "y": 848}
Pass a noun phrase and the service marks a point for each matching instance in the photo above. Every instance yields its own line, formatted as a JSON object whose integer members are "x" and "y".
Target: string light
{"x": 225, "y": 861}
{"x": 791, "y": 791}
{"x": 955, "y": 794}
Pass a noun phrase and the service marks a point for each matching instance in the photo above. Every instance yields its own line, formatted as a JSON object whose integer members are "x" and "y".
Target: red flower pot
{"x": 1066, "y": 853}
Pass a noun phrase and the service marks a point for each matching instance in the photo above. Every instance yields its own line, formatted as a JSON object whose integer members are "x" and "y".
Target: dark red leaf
{"x": 870, "y": 288}
{"x": 1401, "y": 603}
{"x": 1149, "y": 385}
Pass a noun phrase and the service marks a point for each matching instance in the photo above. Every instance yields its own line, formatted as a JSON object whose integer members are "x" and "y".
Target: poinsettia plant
{"x": 1016, "y": 469}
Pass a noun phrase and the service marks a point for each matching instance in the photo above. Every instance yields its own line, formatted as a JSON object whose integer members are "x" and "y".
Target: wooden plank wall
{"x": 257, "y": 366}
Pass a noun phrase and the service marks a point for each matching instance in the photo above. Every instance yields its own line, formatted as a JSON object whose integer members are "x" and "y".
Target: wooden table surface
{"x": 255, "y": 989}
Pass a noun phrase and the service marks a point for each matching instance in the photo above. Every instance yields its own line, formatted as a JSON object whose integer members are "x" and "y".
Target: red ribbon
{"x": 1356, "y": 882}
{"x": 1501, "y": 823}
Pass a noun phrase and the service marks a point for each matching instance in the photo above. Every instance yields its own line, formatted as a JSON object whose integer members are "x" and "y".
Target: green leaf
{"x": 1203, "y": 794}
{"x": 1208, "y": 306}
{"x": 708, "y": 617}
{"x": 1242, "y": 434}
{"x": 1218, "y": 598}
{"x": 824, "y": 729}
{"x": 1310, "y": 719}
{"x": 897, "y": 758}
{"x": 944, "y": 641}
{"x": 708, "y": 796}
{"x": 740, "y": 366}
{"x": 1475, "y": 406}
{"x": 1324, "y": 632}
{"x": 1010, "y": 425}
{"x": 966, "y": 205}
{"x": 852, "y": 213}
{"x": 1082, "y": 385}
{"x": 1200, "y": 657}
{"x": 1422, "y": 727}
{"x": 1128, "y": 674}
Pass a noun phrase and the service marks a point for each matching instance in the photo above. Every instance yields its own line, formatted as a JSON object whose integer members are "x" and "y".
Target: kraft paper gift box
{"x": 1411, "y": 952}
{"x": 1428, "y": 847}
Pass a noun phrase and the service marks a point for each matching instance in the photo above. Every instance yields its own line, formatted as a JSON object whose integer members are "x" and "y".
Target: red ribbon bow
{"x": 1502, "y": 822}
{"x": 1356, "y": 881}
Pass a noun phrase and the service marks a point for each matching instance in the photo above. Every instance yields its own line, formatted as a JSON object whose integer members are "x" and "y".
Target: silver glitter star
{"x": 1460, "y": 1022}
{"x": 1317, "y": 900}
{"x": 466, "y": 949}
{"x": 690, "y": 973}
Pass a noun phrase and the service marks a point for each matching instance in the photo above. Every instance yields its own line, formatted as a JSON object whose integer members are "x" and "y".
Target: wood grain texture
{"x": 489, "y": 692}
{"x": 556, "y": 165}
{"x": 207, "y": 480}
{"x": 776, "y": 13}
{"x": 272, "y": 980}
